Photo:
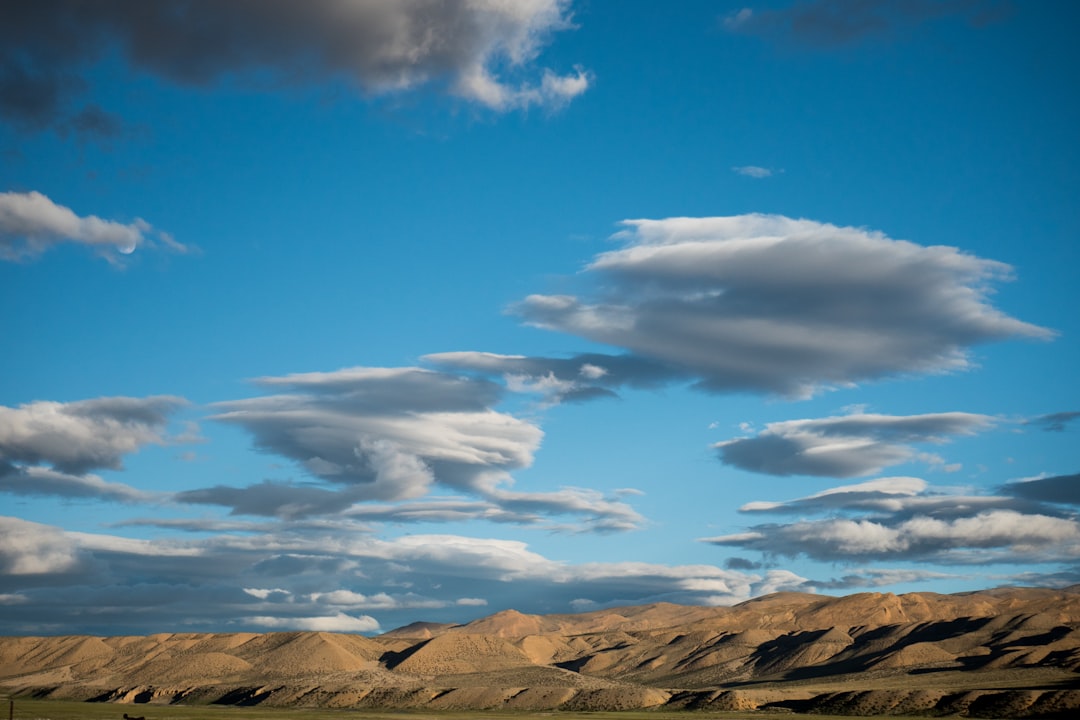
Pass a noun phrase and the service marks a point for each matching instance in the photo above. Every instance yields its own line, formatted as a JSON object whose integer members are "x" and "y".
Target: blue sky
{"x": 341, "y": 315}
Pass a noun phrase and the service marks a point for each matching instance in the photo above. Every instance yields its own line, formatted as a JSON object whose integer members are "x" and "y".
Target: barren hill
{"x": 1008, "y": 652}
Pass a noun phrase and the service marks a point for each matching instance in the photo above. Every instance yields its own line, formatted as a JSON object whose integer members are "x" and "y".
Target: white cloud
{"x": 28, "y": 548}
{"x": 996, "y": 527}
{"x": 782, "y": 581}
{"x": 31, "y": 223}
{"x": 264, "y": 593}
{"x": 737, "y": 19}
{"x": 376, "y": 601}
{"x": 1011, "y": 536}
{"x": 338, "y": 622}
{"x": 393, "y": 440}
{"x": 79, "y": 436}
{"x": 752, "y": 171}
{"x": 554, "y": 91}
{"x": 393, "y": 435}
{"x": 348, "y": 597}
{"x": 768, "y": 303}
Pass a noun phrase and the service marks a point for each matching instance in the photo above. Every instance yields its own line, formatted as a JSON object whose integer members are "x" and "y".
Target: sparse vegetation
{"x": 1000, "y": 653}
{"x": 67, "y": 710}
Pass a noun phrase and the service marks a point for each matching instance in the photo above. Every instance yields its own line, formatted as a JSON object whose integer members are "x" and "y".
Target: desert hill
{"x": 1007, "y": 652}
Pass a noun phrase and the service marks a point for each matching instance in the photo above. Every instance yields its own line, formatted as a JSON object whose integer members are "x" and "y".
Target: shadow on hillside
{"x": 391, "y": 659}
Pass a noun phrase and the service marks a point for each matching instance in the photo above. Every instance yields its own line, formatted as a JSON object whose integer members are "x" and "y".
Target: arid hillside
{"x": 1008, "y": 652}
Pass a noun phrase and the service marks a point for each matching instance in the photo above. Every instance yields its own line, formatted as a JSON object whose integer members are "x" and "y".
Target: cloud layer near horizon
{"x": 286, "y": 576}
{"x": 479, "y": 50}
{"x": 906, "y": 519}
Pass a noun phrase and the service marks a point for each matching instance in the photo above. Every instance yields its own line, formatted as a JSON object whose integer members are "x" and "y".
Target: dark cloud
{"x": 294, "y": 577}
{"x": 834, "y": 23}
{"x": 92, "y": 123}
{"x": 766, "y": 303}
{"x": 1054, "y": 422}
{"x": 737, "y": 563}
{"x": 269, "y": 499}
{"x": 38, "y": 481}
{"x": 41, "y": 44}
{"x": 875, "y": 578}
{"x": 46, "y": 46}
{"x": 846, "y": 446}
{"x": 1061, "y": 489}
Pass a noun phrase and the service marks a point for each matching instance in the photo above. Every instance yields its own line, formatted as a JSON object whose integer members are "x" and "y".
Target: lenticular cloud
{"x": 771, "y": 304}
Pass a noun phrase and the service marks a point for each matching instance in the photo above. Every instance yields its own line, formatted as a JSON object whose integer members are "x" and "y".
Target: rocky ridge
{"x": 1008, "y": 652}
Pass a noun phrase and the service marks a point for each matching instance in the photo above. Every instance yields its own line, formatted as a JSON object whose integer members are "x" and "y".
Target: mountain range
{"x": 1005, "y": 652}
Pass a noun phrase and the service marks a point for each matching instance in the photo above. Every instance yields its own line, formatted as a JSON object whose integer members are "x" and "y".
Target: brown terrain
{"x": 1008, "y": 652}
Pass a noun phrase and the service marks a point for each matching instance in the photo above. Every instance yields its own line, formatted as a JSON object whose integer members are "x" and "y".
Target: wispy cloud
{"x": 1054, "y": 422}
{"x": 879, "y": 577}
{"x": 846, "y": 445}
{"x": 587, "y": 376}
{"x": 752, "y": 171}
{"x": 835, "y": 23}
{"x": 42, "y": 481}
